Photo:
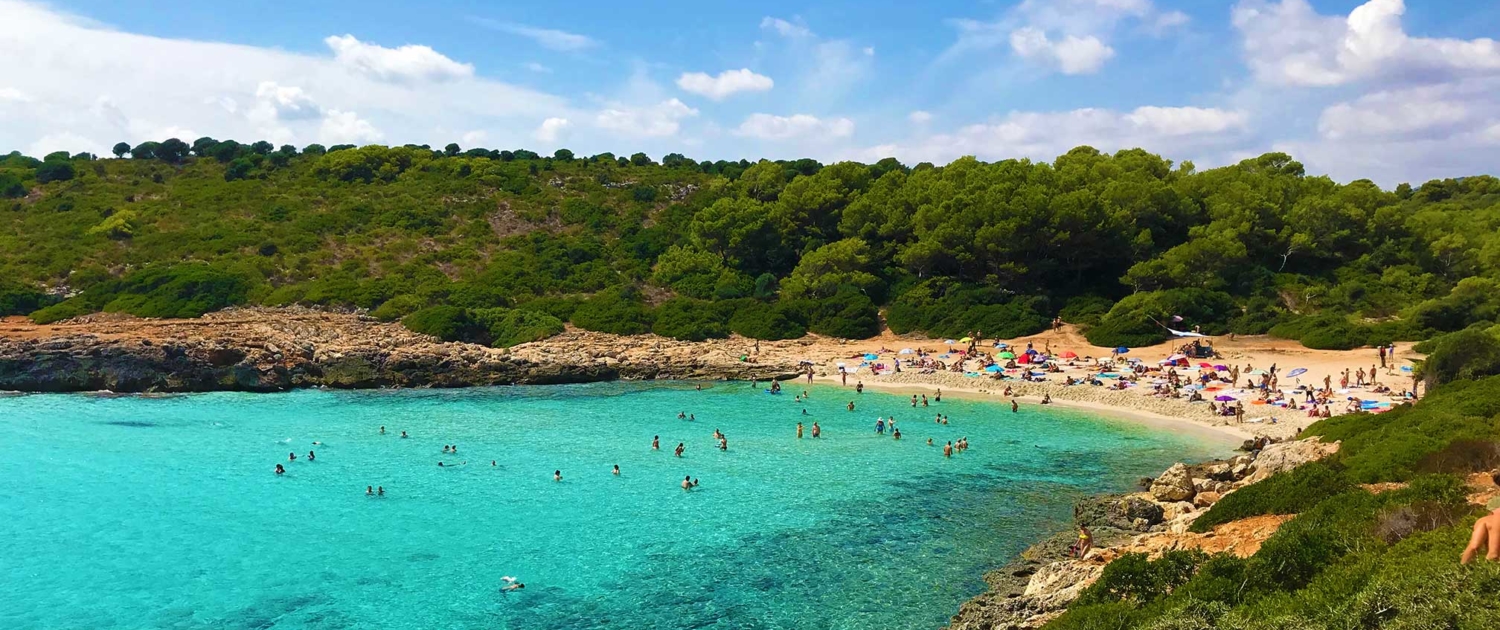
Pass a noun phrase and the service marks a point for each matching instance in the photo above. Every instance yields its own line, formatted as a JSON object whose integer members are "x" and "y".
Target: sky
{"x": 1376, "y": 90}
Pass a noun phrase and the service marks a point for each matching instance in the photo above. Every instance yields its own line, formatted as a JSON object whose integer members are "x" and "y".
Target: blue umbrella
{"x": 1121, "y": 350}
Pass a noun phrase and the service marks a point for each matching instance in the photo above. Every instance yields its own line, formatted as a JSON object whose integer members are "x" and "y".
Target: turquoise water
{"x": 164, "y": 512}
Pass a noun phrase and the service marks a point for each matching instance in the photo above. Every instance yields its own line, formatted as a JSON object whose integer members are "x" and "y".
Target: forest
{"x": 504, "y": 247}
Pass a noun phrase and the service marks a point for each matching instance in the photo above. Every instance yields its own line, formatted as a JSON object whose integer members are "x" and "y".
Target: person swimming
{"x": 687, "y": 482}
{"x": 723, "y": 443}
{"x": 404, "y": 435}
{"x": 692, "y": 417}
{"x": 682, "y": 415}
{"x": 617, "y": 470}
{"x": 511, "y": 584}
{"x": 311, "y": 456}
{"x": 557, "y": 475}
{"x": 380, "y": 491}
{"x": 280, "y": 470}
{"x": 804, "y": 412}
{"x": 492, "y": 463}
{"x": 929, "y": 441}
{"x": 291, "y": 457}
{"x": 695, "y": 482}
{"x": 369, "y": 491}
{"x": 656, "y": 442}
{"x": 851, "y": 405}
{"x": 382, "y": 429}
{"x": 896, "y": 433}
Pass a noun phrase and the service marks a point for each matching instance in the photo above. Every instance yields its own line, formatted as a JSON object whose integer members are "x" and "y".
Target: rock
{"x": 1173, "y": 485}
{"x": 1117, "y": 512}
{"x": 1199, "y": 485}
{"x": 1176, "y": 510}
{"x": 1205, "y": 499}
{"x": 1239, "y": 471}
{"x": 1284, "y": 456}
{"x": 1057, "y": 584}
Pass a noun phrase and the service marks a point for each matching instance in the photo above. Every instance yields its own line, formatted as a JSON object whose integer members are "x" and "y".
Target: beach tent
{"x": 908, "y": 351}
{"x": 1176, "y": 357}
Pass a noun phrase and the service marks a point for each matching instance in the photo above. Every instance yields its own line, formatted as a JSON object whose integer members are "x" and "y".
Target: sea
{"x": 165, "y": 511}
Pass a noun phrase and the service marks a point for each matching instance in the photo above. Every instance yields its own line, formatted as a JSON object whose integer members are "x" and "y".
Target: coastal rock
{"x": 1176, "y": 510}
{"x": 1059, "y": 583}
{"x": 1175, "y": 484}
{"x": 1129, "y": 513}
{"x": 1284, "y": 456}
{"x": 1206, "y": 499}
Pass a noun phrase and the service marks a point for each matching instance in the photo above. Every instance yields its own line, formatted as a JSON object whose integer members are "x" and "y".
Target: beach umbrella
{"x": 1221, "y": 368}
{"x": 1257, "y": 372}
{"x": 871, "y": 357}
{"x": 1176, "y": 357}
{"x": 1122, "y": 350}
{"x": 1069, "y": 354}
{"x": 965, "y": 340}
{"x": 1223, "y": 398}
{"x": 1206, "y": 366}
{"x": 950, "y": 342}
{"x": 1007, "y": 355}
{"x": 1297, "y": 372}
{"x": 907, "y": 351}
{"x": 1032, "y": 351}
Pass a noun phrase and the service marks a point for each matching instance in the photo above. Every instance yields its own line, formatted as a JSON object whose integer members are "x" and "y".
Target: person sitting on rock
{"x": 1084, "y": 544}
{"x": 1486, "y": 534}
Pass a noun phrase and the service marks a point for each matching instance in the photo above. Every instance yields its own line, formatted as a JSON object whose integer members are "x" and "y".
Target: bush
{"x": 849, "y": 314}
{"x": 19, "y": 299}
{"x": 1287, "y": 492}
{"x": 398, "y": 307}
{"x": 617, "y": 311}
{"x": 1134, "y": 578}
{"x": 1085, "y": 310}
{"x": 509, "y": 327}
{"x": 770, "y": 322}
{"x": 1322, "y": 332}
{"x": 1465, "y": 355}
{"x": 448, "y": 323}
{"x": 185, "y": 290}
{"x": 54, "y": 171}
{"x": 945, "y": 309}
{"x": 1139, "y": 319}
{"x": 690, "y": 320}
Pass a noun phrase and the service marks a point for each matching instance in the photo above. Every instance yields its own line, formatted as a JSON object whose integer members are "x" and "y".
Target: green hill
{"x": 770, "y": 249}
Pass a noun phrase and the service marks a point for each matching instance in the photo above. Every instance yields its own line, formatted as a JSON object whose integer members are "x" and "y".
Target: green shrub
{"x": 849, "y": 314}
{"x": 945, "y": 309}
{"x": 19, "y": 299}
{"x": 448, "y": 323}
{"x": 1465, "y": 355}
{"x": 66, "y": 309}
{"x": 185, "y": 290}
{"x": 690, "y": 320}
{"x": 770, "y": 322}
{"x": 1085, "y": 310}
{"x": 54, "y": 171}
{"x": 509, "y": 327}
{"x": 618, "y": 311}
{"x": 1135, "y": 578}
{"x": 1139, "y": 319}
{"x": 398, "y": 307}
{"x": 1286, "y": 492}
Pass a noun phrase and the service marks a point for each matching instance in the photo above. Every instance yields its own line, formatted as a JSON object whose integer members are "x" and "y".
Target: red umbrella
{"x": 1206, "y": 366}
{"x": 1069, "y": 354}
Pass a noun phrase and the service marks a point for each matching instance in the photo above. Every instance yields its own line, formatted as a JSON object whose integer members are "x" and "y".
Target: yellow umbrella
{"x": 965, "y": 340}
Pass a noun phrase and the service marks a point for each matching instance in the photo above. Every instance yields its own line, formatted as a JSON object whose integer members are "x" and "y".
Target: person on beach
{"x": 1381, "y": 352}
{"x": 280, "y": 470}
{"x": 799, "y": 428}
{"x": 1046, "y": 399}
{"x": 1486, "y": 534}
{"x": 656, "y": 442}
{"x": 1085, "y": 541}
{"x": 687, "y": 482}
{"x": 616, "y": 471}
{"x": 679, "y": 449}
{"x": 948, "y": 449}
{"x": 843, "y": 377}
{"x": 817, "y": 432}
{"x": 556, "y": 474}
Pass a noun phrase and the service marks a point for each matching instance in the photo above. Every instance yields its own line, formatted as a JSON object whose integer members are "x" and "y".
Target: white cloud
{"x": 1289, "y": 43}
{"x": 869, "y": 51}
{"x": 284, "y": 102}
{"x": 347, "y": 128}
{"x": 550, "y": 128}
{"x": 1173, "y": 131}
{"x": 1070, "y": 55}
{"x": 536, "y": 67}
{"x": 797, "y": 126}
{"x": 653, "y": 121}
{"x": 1171, "y": 19}
{"x": 727, "y": 83}
{"x": 549, "y": 38}
{"x": 15, "y": 96}
{"x": 64, "y": 141}
{"x": 919, "y": 117}
{"x": 407, "y": 63}
{"x": 785, "y": 28}
{"x": 474, "y": 138}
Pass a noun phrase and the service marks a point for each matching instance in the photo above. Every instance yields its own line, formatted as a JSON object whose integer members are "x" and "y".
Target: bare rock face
{"x": 1176, "y": 484}
{"x": 1058, "y": 584}
{"x": 1285, "y": 456}
{"x": 1133, "y": 512}
{"x": 1206, "y": 499}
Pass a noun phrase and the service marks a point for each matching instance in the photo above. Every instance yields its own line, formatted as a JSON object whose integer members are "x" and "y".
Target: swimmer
{"x": 617, "y": 470}
{"x": 695, "y": 483}
{"x": 380, "y": 491}
{"x": 723, "y": 444}
{"x": 492, "y": 462}
{"x": 929, "y": 441}
{"x": 817, "y": 432}
{"x": 279, "y": 469}
{"x": 679, "y": 449}
{"x": 913, "y": 400}
{"x": 311, "y": 456}
{"x": 804, "y": 412}
{"x": 511, "y": 584}
{"x": 656, "y": 442}
{"x": 700, "y": 387}
{"x": 796, "y": 399}
{"x": 692, "y": 417}
{"x": 557, "y": 475}
{"x": 404, "y": 435}
{"x": 291, "y": 457}
{"x": 682, "y": 415}
{"x": 382, "y": 429}
{"x": 369, "y": 491}
{"x": 687, "y": 482}
{"x": 799, "y": 427}
{"x": 851, "y": 405}
{"x": 896, "y": 433}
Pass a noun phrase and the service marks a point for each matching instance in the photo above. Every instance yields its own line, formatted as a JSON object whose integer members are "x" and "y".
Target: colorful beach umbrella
{"x": 1297, "y": 372}
{"x": 1177, "y": 357}
{"x": 1122, "y": 350}
{"x": 1069, "y": 354}
{"x": 1007, "y": 355}
{"x": 1223, "y": 398}
{"x": 965, "y": 340}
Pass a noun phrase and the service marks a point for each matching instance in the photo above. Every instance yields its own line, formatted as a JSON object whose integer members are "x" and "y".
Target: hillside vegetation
{"x": 1351, "y": 558}
{"x": 444, "y": 238}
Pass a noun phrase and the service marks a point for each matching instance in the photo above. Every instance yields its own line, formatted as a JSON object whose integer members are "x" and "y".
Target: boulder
{"x": 1205, "y": 499}
{"x": 1284, "y": 456}
{"x": 1056, "y": 585}
{"x": 1176, "y": 510}
{"x": 1127, "y": 512}
{"x": 1176, "y": 484}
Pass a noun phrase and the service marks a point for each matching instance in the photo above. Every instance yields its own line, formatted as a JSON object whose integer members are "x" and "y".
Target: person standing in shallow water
{"x": 817, "y": 432}
{"x": 557, "y": 475}
{"x": 679, "y": 449}
{"x": 799, "y": 429}
{"x": 687, "y": 482}
{"x": 1015, "y": 407}
{"x": 656, "y": 442}
{"x": 948, "y": 449}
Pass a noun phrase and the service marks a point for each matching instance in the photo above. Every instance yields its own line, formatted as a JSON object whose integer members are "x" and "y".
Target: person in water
{"x": 851, "y": 405}
{"x": 511, "y": 585}
{"x": 404, "y": 435}
{"x": 817, "y": 432}
{"x": 939, "y": 397}
{"x": 656, "y": 442}
{"x": 859, "y": 388}
{"x": 1015, "y": 407}
{"x": 948, "y": 449}
{"x": 311, "y": 456}
{"x": 896, "y": 433}
{"x": 692, "y": 417}
{"x": 1486, "y": 535}
{"x": 929, "y": 441}
{"x": 382, "y": 429}
{"x": 291, "y": 457}
{"x": 557, "y": 475}
{"x": 723, "y": 443}
{"x": 380, "y": 491}
{"x": 687, "y": 482}
{"x": 280, "y": 470}
{"x": 799, "y": 427}
{"x": 695, "y": 482}
{"x": 682, "y": 415}
{"x": 880, "y": 426}
{"x": 914, "y": 400}
{"x": 617, "y": 470}
{"x": 369, "y": 491}
{"x": 679, "y": 449}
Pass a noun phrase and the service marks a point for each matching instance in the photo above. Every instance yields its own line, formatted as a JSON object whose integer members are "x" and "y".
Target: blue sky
{"x": 1375, "y": 89}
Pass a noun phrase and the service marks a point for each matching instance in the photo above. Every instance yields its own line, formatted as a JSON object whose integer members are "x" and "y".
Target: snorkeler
{"x": 511, "y": 584}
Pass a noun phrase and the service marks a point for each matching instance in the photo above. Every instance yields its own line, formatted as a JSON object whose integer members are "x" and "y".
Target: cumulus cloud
{"x": 550, "y": 128}
{"x": 652, "y": 121}
{"x": 1070, "y": 55}
{"x": 1174, "y": 131}
{"x": 1289, "y": 43}
{"x": 107, "y": 85}
{"x": 406, "y": 63}
{"x": 549, "y": 38}
{"x": 919, "y": 117}
{"x": 728, "y": 82}
{"x": 797, "y": 126}
{"x": 347, "y": 128}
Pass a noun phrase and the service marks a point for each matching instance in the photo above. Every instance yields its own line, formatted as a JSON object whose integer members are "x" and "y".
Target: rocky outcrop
{"x": 1284, "y": 456}
{"x": 1176, "y": 484}
{"x": 263, "y": 350}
